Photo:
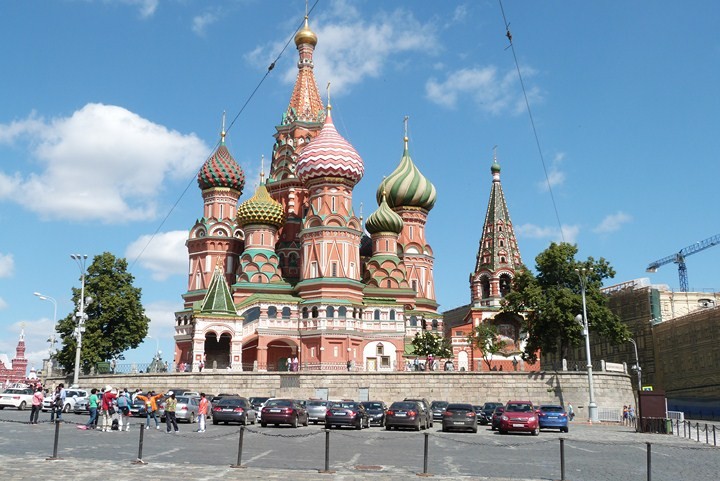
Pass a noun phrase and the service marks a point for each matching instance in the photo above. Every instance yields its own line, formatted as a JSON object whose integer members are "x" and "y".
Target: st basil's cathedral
{"x": 294, "y": 274}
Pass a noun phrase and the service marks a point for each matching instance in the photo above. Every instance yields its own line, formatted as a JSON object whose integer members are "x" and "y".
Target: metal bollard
{"x": 697, "y": 429}
{"x": 562, "y": 459}
{"x": 240, "y": 444}
{"x": 55, "y": 442}
{"x": 707, "y": 435}
{"x": 714, "y": 438}
{"x": 327, "y": 469}
{"x": 425, "y": 457}
{"x": 139, "y": 459}
{"x": 649, "y": 462}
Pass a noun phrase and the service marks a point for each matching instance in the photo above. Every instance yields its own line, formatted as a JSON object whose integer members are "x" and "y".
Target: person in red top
{"x": 203, "y": 410}
{"x": 37, "y": 401}
{"x": 105, "y": 407}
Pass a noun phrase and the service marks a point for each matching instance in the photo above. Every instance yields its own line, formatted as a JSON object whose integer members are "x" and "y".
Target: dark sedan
{"x": 496, "y": 417}
{"x": 346, "y": 414}
{"x": 405, "y": 414}
{"x": 459, "y": 416}
{"x": 283, "y": 411}
{"x": 233, "y": 410}
{"x": 487, "y": 412}
{"x": 376, "y": 412}
{"x": 438, "y": 409}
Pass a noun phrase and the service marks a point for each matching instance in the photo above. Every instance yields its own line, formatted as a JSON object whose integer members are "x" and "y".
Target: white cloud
{"x": 492, "y": 91}
{"x": 532, "y": 231}
{"x": 343, "y": 60}
{"x": 460, "y": 14}
{"x": 103, "y": 163}
{"x": 165, "y": 256}
{"x": 147, "y": 7}
{"x": 162, "y": 318}
{"x": 612, "y": 223}
{"x": 7, "y": 265}
{"x": 201, "y": 22}
{"x": 37, "y": 334}
{"x": 3, "y": 303}
{"x": 555, "y": 175}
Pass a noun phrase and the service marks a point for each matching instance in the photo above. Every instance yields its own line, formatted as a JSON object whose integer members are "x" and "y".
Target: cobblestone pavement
{"x": 592, "y": 453}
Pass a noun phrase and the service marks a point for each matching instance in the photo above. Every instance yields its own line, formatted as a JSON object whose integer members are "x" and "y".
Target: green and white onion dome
{"x": 384, "y": 219}
{"x": 407, "y": 187}
{"x": 261, "y": 209}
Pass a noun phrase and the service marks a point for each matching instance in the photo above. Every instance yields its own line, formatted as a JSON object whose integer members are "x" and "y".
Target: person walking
{"x": 150, "y": 400}
{"x": 37, "y": 401}
{"x": 203, "y": 409}
{"x": 123, "y": 403}
{"x": 58, "y": 403}
{"x": 170, "y": 408}
{"x": 106, "y": 408}
{"x": 571, "y": 412}
{"x": 93, "y": 402}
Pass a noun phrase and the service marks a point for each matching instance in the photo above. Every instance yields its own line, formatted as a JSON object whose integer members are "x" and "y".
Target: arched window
{"x": 304, "y": 312}
{"x": 413, "y": 321}
{"x": 392, "y": 314}
{"x": 286, "y": 313}
{"x": 484, "y": 287}
{"x": 330, "y": 312}
{"x": 376, "y": 314}
{"x": 434, "y": 324}
{"x": 315, "y": 312}
{"x": 505, "y": 284}
{"x": 251, "y": 315}
{"x": 342, "y": 312}
{"x": 380, "y": 349}
{"x": 272, "y": 312}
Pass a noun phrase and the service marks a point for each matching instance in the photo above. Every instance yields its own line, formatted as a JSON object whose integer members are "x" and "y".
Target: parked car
{"x": 552, "y": 416}
{"x": 283, "y": 411}
{"x": 438, "y": 408}
{"x": 218, "y": 397}
{"x": 257, "y": 404}
{"x": 478, "y": 411}
{"x": 405, "y": 414}
{"x": 186, "y": 410}
{"x": 376, "y": 412}
{"x": 316, "y": 409}
{"x": 426, "y": 410}
{"x": 519, "y": 416}
{"x": 459, "y": 416}
{"x": 346, "y": 413}
{"x": 16, "y": 397}
{"x": 138, "y": 409}
{"x": 233, "y": 410}
{"x": 487, "y": 412}
{"x": 495, "y": 418}
{"x": 71, "y": 397}
{"x": 82, "y": 406}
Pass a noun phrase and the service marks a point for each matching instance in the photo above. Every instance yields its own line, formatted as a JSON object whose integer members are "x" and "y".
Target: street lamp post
{"x": 51, "y": 340}
{"x": 82, "y": 317}
{"x": 592, "y": 407}
{"x": 637, "y": 365}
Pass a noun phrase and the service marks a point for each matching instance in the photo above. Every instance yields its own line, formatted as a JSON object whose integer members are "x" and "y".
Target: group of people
{"x": 628, "y": 415}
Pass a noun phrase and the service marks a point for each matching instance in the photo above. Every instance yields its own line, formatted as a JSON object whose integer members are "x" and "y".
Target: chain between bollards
{"x": 240, "y": 444}
{"x": 139, "y": 459}
{"x": 425, "y": 457}
{"x": 327, "y": 469}
{"x": 649, "y": 462}
{"x": 562, "y": 459}
{"x": 55, "y": 442}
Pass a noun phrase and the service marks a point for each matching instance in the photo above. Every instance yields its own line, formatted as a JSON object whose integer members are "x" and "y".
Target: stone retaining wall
{"x": 612, "y": 390}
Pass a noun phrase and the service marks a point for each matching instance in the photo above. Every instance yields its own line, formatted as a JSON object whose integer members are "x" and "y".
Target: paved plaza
{"x": 592, "y": 453}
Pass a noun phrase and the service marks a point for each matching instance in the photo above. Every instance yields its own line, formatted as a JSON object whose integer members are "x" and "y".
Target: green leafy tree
{"x": 116, "y": 319}
{"x": 552, "y": 299}
{"x": 484, "y": 337}
{"x": 426, "y": 342}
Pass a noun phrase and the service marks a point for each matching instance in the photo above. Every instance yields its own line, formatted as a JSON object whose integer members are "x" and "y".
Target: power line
{"x": 508, "y": 34}
{"x": 217, "y": 143}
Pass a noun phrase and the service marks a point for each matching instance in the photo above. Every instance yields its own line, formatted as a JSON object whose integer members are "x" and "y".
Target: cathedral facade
{"x": 293, "y": 278}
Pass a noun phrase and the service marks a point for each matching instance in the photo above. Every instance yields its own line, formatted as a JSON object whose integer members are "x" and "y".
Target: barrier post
{"x": 425, "y": 457}
{"x": 649, "y": 462}
{"x": 707, "y": 435}
{"x": 139, "y": 459}
{"x": 240, "y": 444}
{"x": 697, "y": 430}
{"x": 562, "y": 459}
{"x": 54, "y": 456}
{"x": 714, "y": 438}
{"x": 327, "y": 469}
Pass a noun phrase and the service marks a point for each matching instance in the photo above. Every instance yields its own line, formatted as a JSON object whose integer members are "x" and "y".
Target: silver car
{"x": 187, "y": 408}
{"x": 316, "y": 409}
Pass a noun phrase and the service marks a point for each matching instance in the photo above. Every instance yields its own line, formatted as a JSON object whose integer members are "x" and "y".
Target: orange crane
{"x": 679, "y": 259}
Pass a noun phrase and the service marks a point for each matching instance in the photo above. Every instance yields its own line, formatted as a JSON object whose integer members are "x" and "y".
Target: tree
{"x": 484, "y": 337}
{"x": 116, "y": 319}
{"x": 552, "y": 299}
{"x": 426, "y": 343}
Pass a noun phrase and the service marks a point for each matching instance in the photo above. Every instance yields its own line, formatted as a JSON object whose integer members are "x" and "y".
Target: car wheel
{"x": 192, "y": 418}
{"x": 306, "y": 422}
{"x": 417, "y": 428}
{"x": 536, "y": 431}
{"x": 66, "y": 408}
{"x": 294, "y": 422}
{"x": 565, "y": 430}
{"x": 263, "y": 425}
{"x": 21, "y": 406}
{"x": 444, "y": 429}
{"x": 492, "y": 428}
{"x": 474, "y": 431}
{"x": 216, "y": 422}
{"x": 358, "y": 425}
{"x": 388, "y": 428}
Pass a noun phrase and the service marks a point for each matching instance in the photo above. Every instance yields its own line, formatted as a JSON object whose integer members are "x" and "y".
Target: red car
{"x": 283, "y": 411}
{"x": 519, "y": 416}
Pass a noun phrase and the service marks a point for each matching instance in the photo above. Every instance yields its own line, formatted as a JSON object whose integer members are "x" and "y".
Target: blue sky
{"x": 108, "y": 108}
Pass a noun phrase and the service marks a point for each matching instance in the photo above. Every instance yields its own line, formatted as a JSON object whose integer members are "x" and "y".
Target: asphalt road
{"x": 592, "y": 453}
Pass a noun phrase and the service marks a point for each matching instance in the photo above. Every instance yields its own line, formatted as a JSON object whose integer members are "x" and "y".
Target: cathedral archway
{"x": 279, "y": 354}
{"x": 217, "y": 350}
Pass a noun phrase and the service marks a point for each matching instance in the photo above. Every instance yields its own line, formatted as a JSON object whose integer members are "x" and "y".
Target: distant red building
{"x": 17, "y": 370}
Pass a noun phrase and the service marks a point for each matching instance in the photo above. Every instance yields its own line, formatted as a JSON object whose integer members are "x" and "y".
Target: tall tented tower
{"x": 289, "y": 274}
{"x": 498, "y": 256}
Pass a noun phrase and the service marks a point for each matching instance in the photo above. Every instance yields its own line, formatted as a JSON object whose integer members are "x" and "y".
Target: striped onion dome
{"x": 221, "y": 170}
{"x": 407, "y": 187}
{"x": 261, "y": 209}
{"x": 384, "y": 220}
{"x": 329, "y": 155}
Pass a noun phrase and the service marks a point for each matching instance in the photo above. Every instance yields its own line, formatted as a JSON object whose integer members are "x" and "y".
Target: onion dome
{"x": 384, "y": 220}
{"x": 261, "y": 209}
{"x": 329, "y": 155}
{"x": 407, "y": 187}
{"x": 305, "y": 35}
{"x": 221, "y": 170}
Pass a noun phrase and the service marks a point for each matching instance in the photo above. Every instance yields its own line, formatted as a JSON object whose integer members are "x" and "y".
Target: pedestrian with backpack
{"x": 107, "y": 409}
{"x": 123, "y": 403}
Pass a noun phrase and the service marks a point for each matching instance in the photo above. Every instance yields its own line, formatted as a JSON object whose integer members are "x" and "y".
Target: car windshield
{"x": 491, "y": 405}
{"x": 228, "y": 401}
{"x": 183, "y": 400}
{"x": 279, "y": 403}
{"x": 316, "y": 403}
{"x": 16, "y": 391}
{"x": 552, "y": 409}
{"x": 345, "y": 405}
{"x": 518, "y": 407}
{"x": 372, "y": 405}
{"x": 403, "y": 405}
{"x": 439, "y": 404}
{"x": 258, "y": 400}
{"x": 460, "y": 407}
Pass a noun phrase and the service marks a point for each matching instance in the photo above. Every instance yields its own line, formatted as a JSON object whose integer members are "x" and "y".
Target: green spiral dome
{"x": 407, "y": 187}
{"x": 384, "y": 219}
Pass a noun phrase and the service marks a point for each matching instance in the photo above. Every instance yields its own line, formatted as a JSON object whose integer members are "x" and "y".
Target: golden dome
{"x": 305, "y": 35}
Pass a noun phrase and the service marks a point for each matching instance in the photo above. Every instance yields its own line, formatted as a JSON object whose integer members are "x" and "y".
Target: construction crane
{"x": 679, "y": 259}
